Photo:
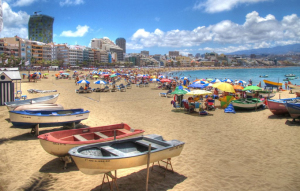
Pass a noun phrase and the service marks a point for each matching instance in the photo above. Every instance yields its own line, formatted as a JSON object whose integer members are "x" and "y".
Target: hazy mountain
{"x": 294, "y": 48}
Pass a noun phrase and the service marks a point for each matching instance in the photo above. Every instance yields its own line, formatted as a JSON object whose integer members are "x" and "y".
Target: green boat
{"x": 249, "y": 103}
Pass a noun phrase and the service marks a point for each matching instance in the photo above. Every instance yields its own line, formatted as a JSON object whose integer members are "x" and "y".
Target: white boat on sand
{"x": 45, "y": 106}
{"x": 46, "y": 99}
{"x": 105, "y": 157}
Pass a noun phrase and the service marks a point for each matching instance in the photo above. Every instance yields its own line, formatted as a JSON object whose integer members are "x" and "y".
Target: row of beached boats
{"x": 95, "y": 150}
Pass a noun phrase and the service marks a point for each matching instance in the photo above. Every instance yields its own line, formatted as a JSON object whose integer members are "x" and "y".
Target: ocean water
{"x": 274, "y": 74}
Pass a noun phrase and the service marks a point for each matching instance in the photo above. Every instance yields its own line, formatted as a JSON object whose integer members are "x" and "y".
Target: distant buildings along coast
{"x": 40, "y": 50}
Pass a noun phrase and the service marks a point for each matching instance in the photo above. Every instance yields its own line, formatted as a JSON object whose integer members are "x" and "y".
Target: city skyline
{"x": 162, "y": 26}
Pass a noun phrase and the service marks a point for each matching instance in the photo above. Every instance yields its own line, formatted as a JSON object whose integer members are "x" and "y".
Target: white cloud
{"x": 21, "y": 3}
{"x": 81, "y": 31}
{"x": 71, "y": 2}
{"x": 255, "y": 32}
{"x": 14, "y": 23}
{"x": 213, "y": 6}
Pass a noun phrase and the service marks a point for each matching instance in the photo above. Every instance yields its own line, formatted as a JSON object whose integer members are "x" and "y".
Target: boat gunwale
{"x": 79, "y": 155}
{"x": 53, "y": 139}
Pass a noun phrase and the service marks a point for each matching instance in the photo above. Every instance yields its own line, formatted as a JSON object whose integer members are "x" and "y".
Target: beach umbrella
{"x": 83, "y": 82}
{"x": 46, "y": 74}
{"x": 198, "y": 92}
{"x": 227, "y": 80}
{"x": 208, "y": 84}
{"x": 224, "y": 87}
{"x": 209, "y": 79}
{"x": 113, "y": 75}
{"x": 118, "y": 74}
{"x": 196, "y": 86}
{"x": 216, "y": 81}
{"x": 238, "y": 87}
{"x": 200, "y": 82}
{"x": 37, "y": 73}
{"x": 252, "y": 88}
{"x": 154, "y": 80}
{"x": 61, "y": 71}
{"x": 242, "y": 82}
{"x": 165, "y": 80}
{"x": 161, "y": 76}
{"x": 100, "y": 82}
{"x": 65, "y": 74}
{"x": 225, "y": 101}
{"x": 95, "y": 76}
{"x": 179, "y": 92}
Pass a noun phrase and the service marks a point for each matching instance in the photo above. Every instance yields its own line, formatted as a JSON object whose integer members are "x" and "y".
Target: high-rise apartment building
{"x": 121, "y": 42}
{"x": 109, "y": 46}
{"x": 173, "y": 53}
{"x": 40, "y": 28}
{"x": 145, "y": 53}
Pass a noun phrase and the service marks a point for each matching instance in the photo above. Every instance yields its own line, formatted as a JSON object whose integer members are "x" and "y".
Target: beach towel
{"x": 229, "y": 109}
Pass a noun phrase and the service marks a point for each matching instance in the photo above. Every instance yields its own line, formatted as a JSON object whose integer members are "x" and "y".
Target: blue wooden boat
{"x": 277, "y": 106}
{"x": 46, "y": 118}
{"x": 272, "y": 84}
{"x": 293, "y": 109}
{"x": 119, "y": 154}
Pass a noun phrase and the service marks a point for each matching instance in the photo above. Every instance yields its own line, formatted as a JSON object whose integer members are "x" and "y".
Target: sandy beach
{"x": 251, "y": 150}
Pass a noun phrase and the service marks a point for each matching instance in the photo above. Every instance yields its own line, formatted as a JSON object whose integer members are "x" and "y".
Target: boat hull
{"x": 272, "y": 84}
{"x": 58, "y": 143}
{"x": 100, "y": 166}
{"x": 242, "y": 104}
{"x": 92, "y": 159}
{"x": 40, "y": 100}
{"x": 293, "y": 109}
{"x": 294, "y": 87}
{"x": 35, "y": 107}
{"x": 277, "y": 106}
{"x": 28, "y": 120}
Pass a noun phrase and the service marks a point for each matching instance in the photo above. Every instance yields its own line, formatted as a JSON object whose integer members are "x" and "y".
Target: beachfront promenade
{"x": 242, "y": 151}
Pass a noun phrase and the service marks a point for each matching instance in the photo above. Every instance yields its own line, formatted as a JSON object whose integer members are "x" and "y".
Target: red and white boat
{"x": 58, "y": 143}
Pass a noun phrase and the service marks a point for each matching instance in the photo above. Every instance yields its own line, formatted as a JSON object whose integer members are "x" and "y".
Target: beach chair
{"x": 121, "y": 88}
{"x": 80, "y": 90}
{"x": 187, "y": 107}
{"x": 168, "y": 93}
{"x": 128, "y": 86}
{"x": 211, "y": 104}
{"x": 106, "y": 89}
{"x": 146, "y": 84}
{"x": 89, "y": 90}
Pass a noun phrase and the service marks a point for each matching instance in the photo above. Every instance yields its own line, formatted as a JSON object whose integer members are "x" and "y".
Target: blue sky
{"x": 160, "y": 26}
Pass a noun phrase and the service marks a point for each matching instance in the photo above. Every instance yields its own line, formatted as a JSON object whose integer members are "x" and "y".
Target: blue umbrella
{"x": 100, "y": 82}
{"x": 154, "y": 80}
{"x": 83, "y": 82}
{"x": 215, "y": 81}
{"x": 118, "y": 74}
{"x": 196, "y": 86}
{"x": 37, "y": 73}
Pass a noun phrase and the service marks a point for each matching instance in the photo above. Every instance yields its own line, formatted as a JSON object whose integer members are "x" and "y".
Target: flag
{"x": 6, "y": 62}
{"x": 27, "y": 63}
{"x": 20, "y": 63}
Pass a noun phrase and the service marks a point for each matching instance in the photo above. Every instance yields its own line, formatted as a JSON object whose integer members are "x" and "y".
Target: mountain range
{"x": 288, "y": 49}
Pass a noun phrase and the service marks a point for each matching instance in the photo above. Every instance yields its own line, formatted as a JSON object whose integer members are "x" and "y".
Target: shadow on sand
{"x": 137, "y": 181}
{"x": 29, "y": 136}
{"x": 39, "y": 181}
{"x": 57, "y": 166}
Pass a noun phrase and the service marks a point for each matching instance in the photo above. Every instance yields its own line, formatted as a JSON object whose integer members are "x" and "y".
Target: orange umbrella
{"x": 238, "y": 87}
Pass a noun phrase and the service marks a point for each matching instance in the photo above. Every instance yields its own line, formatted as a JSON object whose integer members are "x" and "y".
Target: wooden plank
{"x": 101, "y": 135}
{"x": 80, "y": 138}
{"x": 113, "y": 151}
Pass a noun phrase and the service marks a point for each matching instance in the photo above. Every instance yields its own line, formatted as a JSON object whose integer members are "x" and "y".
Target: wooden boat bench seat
{"x": 113, "y": 151}
{"x": 80, "y": 138}
{"x": 101, "y": 135}
{"x": 146, "y": 143}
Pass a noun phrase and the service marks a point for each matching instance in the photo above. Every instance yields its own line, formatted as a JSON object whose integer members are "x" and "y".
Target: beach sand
{"x": 252, "y": 150}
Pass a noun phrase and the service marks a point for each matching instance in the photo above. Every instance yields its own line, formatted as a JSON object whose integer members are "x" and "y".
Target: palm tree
{"x": 3, "y": 57}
